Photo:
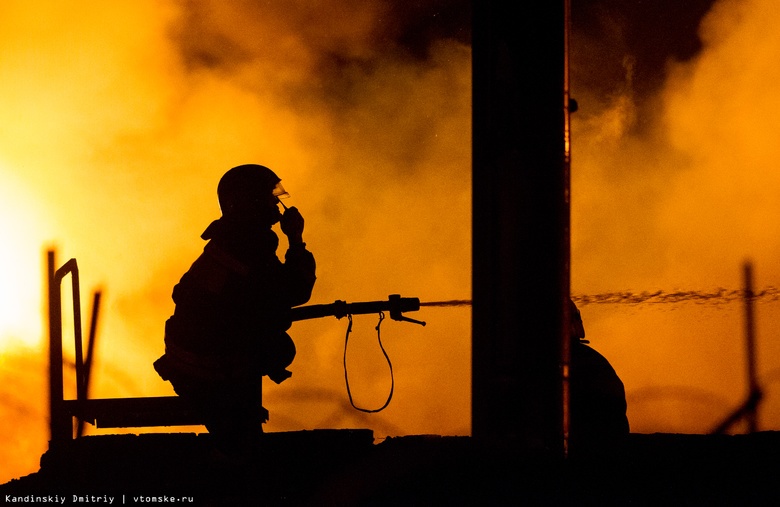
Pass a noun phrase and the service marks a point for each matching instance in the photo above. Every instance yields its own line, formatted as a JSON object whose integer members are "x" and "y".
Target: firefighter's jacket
{"x": 233, "y": 307}
{"x": 598, "y": 400}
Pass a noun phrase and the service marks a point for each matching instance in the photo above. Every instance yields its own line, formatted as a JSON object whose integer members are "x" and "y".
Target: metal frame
{"x": 101, "y": 413}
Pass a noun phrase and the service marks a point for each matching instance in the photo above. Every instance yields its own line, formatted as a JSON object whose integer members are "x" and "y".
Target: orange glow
{"x": 20, "y": 266}
{"x": 119, "y": 119}
{"x": 680, "y": 207}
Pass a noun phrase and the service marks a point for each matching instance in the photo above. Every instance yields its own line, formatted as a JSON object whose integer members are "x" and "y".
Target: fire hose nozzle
{"x": 398, "y": 305}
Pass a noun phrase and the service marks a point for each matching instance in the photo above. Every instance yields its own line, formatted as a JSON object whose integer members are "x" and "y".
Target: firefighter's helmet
{"x": 247, "y": 188}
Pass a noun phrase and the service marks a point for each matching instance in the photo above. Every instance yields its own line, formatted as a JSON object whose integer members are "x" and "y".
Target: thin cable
{"x": 390, "y": 364}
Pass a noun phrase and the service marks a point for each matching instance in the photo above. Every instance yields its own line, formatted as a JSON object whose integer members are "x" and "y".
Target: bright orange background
{"x": 117, "y": 120}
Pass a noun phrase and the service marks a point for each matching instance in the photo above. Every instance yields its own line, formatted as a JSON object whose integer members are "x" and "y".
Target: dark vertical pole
{"x": 91, "y": 343}
{"x": 59, "y": 423}
{"x": 749, "y": 409}
{"x": 565, "y": 278}
{"x": 90, "y": 351}
{"x": 750, "y": 346}
{"x": 520, "y": 222}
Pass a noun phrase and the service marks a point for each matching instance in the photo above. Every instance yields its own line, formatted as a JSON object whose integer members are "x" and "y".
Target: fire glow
{"x": 118, "y": 119}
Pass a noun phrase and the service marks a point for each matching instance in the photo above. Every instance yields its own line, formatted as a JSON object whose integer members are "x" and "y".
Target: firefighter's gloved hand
{"x": 280, "y": 376}
{"x": 292, "y": 225}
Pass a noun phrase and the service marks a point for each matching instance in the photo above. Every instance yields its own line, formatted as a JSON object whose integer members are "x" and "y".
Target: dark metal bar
{"x": 565, "y": 239}
{"x": 91, "y": 343}
{"x": 134, "y": 412}
{"x": 90, "y": 351}
{"x": 60, "y": 424}
{"x": 748, "y": 410}
{"x": 71, "y": 267}
{"x": 520, "y": 222}
{"x": 750, "y": 348}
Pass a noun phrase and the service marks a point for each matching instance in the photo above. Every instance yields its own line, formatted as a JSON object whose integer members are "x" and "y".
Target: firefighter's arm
{"x": 299, "y": 262}
{"x": 300, "y": 270}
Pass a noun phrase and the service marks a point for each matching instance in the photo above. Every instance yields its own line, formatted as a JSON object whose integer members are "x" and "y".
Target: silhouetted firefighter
{"x": 598, "y": 397}
{"x": 233, "y": 309}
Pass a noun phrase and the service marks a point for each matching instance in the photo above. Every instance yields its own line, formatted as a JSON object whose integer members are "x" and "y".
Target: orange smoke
{"x": 117, "y": 122}
{"x": 680, "y": 204}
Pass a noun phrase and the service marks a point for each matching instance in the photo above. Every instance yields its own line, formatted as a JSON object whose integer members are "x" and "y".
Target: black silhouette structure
{"x": 521, "y": 217}
{"x": 233, "y": 310}
{"x": 598, "y": 421}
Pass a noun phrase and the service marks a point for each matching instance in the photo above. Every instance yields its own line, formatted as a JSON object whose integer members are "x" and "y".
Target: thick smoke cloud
{"x": 674, "y": 188}
{"x": 117, "y": 121}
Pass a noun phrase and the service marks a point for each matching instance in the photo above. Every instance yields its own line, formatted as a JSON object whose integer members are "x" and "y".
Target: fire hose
{"x": 395, "y": 305}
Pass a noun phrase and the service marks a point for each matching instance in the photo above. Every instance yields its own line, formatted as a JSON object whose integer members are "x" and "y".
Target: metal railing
{"x": 102, "y": 413}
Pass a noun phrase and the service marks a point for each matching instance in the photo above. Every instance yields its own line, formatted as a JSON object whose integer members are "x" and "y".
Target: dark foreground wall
{"x": 345, "y": 467}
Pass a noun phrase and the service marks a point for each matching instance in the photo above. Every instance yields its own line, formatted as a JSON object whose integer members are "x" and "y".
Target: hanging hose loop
{"x": 389, "y": 364}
